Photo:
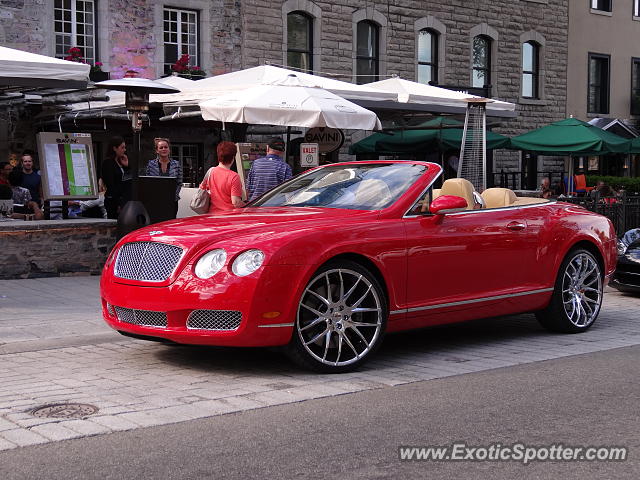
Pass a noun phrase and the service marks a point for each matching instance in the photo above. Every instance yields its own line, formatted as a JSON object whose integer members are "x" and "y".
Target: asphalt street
{"x": 583, "y": 400}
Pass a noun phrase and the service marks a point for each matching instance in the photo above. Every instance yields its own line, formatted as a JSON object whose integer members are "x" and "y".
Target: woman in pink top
{"x": 223, "y": 183}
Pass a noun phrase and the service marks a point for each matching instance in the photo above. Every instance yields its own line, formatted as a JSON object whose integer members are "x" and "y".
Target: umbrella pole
{"x": 286, "y": 152}
{"x": 570, "y": 176}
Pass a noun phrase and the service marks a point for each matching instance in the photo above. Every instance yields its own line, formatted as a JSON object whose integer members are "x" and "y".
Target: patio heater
{"x": 473, "y": 151}
{"x": 134, "y": 215}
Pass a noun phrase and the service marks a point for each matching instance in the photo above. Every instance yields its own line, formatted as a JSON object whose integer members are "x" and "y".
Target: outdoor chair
{"x": 581, "y": 184}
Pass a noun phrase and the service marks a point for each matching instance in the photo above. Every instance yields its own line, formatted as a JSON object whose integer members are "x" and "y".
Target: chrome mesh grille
{"x": 214, "y": 320}
{"x": 146, "y": 261}
{"x": 145, "y": 318}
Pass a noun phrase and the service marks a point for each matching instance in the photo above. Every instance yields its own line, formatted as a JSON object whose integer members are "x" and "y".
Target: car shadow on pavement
{"x": 232, "y": 361}
{"x": 495, "y": 332}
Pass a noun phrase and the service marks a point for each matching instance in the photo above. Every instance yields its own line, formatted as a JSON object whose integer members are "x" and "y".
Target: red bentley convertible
{"x": 327, "y": 263}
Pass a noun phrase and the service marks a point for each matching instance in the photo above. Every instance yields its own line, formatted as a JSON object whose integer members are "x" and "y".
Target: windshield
{"x": 357, "y": 187}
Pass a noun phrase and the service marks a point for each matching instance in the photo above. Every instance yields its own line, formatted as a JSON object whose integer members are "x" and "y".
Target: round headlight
{"x": 211, "y": 263}
{"x": 247, "y": 262}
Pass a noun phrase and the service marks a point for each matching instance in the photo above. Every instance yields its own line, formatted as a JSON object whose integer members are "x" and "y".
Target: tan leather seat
{"x": 435, "y": 194}
{"x": 460, "y": 187}
{"x": 498, "y": 197}
{"x": 529, "y": 201}
{"x": 372, "y": 192}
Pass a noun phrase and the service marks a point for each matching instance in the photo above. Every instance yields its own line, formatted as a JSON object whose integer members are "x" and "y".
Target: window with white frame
{"x": 181, "y": 36}
{"x": 603, "y": 5}
{"x": 300, "y": 41}
{"x": 367, "y": 52}
{"x": 428, "y": 56}
{"x": 74, "y": 26}
{"x": 530, "y": 69}
{"x": 636, "y": 8}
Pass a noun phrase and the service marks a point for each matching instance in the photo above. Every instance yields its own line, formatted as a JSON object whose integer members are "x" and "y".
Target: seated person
{"x": 6, "y": 201}
{"x": 89, "y": 208}
{"x": 607, "y": 194}
{"x": 545, "y": 188}
{"x": 23, "y": 204}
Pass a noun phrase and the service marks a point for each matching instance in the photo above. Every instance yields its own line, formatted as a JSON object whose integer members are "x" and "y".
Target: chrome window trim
{"x": 475, "y": 300}
{"x": 481, "y": 210}
{"x": 407, "y": 214}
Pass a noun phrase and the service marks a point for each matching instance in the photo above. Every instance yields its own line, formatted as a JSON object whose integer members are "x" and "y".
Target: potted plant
{"x": 74, "y": 54}
{"x": 96, "y": 74}
{"x": 183, "y": 69}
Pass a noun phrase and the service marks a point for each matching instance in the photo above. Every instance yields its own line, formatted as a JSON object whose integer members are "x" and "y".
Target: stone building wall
{"x": 240, "y": 34}
{"x": 263, "y": 43}
{"x": 55, "y": 248}
{"x": 22, "y": 25}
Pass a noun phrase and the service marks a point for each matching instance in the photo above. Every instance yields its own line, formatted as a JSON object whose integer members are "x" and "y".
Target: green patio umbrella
{"x": 635, "y": 145}
{"x": 407, "y": 141}
{"x": 571, "y": 137}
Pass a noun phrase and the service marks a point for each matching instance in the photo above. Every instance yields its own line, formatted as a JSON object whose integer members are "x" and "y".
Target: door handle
{"x": 516, "y": 226}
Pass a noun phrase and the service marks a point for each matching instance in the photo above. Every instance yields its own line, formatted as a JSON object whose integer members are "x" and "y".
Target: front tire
{"x": 577, "y": 294}
{"x": 341, "y": 319}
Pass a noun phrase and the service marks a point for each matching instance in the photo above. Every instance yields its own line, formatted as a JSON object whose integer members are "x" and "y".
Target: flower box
{"x": 98, "y": 76}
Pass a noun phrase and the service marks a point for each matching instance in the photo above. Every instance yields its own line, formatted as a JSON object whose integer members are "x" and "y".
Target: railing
{"x": 517, "y": 180}
{"x": 479, "y": 91}
{"x": 623, "y": 211}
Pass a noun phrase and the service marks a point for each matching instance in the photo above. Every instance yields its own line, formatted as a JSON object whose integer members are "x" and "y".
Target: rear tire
{"x": 341, "y": 319}
{"x": 577, "y": 294}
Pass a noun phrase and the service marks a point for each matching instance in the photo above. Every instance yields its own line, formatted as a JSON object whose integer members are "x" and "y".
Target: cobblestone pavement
{"x": 54, "y": 348}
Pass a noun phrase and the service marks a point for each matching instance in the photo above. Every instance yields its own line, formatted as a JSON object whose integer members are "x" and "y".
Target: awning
{"x": 25, "y": 69}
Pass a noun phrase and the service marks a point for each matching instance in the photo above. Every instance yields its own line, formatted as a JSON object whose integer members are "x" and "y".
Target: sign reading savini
{"x": 328, "y": 139}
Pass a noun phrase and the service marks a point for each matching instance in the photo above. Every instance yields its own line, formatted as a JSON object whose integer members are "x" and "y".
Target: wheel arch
{"x": 591, "y": 248}
{"x": 366, "y": 263}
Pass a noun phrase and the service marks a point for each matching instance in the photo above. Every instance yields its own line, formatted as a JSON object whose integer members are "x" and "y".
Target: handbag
{"x": 201, "y": 200}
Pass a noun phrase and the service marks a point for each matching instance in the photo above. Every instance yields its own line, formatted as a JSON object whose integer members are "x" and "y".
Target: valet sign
{"x": 309, "y": 155}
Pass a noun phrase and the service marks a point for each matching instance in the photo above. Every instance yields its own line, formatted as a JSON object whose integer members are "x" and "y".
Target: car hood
{"x": 264, "y": 222}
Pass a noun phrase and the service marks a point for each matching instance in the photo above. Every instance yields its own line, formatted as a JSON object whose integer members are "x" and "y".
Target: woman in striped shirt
{"x": 164, "y": 166}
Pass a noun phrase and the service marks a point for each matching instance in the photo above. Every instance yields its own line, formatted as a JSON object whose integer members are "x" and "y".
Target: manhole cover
{"x": 65, "y": 410}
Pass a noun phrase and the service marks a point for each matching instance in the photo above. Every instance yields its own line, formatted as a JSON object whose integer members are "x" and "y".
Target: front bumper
{"x": 265, "y": 302}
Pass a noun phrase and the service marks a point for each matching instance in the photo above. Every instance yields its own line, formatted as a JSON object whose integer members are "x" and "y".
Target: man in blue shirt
{"x": 30, "y": 177}
{"x": 268, "y": 172}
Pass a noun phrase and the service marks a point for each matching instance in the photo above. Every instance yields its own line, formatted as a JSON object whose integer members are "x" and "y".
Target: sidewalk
{"x": 51, "y": 312}
{"x": 55, "y": 348}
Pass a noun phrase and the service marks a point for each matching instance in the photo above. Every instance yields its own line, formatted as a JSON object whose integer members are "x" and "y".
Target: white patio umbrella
{"x": 209, "y": 87}
{"x": 289, "y": 102}
{"x": 420, "y": 93}
{"x": 25, "y": 69}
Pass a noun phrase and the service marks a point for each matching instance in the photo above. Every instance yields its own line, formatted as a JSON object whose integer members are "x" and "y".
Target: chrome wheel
{"x": 341, "y": 316}
{"x": 582, "y": 290}
{"x": 577, "y": 294}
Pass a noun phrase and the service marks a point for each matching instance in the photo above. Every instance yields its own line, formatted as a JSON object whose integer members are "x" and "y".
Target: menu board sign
{"x": 67, "y": 167}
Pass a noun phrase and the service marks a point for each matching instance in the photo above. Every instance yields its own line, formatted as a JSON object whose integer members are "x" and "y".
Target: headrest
{"x": 498, "y": 197}
{"x": 460, "y": 187}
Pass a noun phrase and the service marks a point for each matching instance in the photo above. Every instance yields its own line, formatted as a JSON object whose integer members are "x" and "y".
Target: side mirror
{"x": 448, "y": 204}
